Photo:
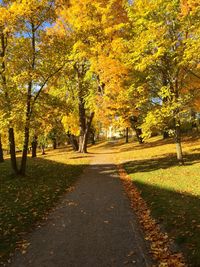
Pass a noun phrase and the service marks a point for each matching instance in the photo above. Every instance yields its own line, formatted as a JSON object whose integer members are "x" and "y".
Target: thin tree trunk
{"x": 165, "y": 135}
{"x": 86, "y": 134}
{"x": 137, "y": 130}
{"x": 178, "y": 144}
{"x": 34, "y": 147}
{"x": 1, "y": 151}
{"x": 43, "y": 150}
{"x": 12, "y": 150}
{"x": 28, "y": 107}
{"x": 26, "y": 131}
{"x": 92, "y": 134}
{"x": 126, "y": 135}
{"x": 54, "y": 143}
{"x": 73, "y": 141}
{"x": 25, "y": 151}
{"x": 82, "y": 123}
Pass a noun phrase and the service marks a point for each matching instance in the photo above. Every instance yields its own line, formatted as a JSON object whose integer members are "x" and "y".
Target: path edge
{"x": 159, "y": 241}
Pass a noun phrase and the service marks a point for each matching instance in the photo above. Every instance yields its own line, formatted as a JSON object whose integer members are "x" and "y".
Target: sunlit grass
{"x": 172, "y": 192}
{"x": 25, "y": 200}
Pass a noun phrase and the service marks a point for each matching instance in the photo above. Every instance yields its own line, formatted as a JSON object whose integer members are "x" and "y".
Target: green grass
{"x": 24, "y": 201}
{"x": 172, "y": 192}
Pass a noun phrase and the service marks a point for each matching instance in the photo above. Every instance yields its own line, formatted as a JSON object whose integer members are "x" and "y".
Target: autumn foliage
{"x": 158, "y": 240}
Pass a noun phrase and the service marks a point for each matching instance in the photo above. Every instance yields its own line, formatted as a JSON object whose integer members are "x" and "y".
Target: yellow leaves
{"x": 79, "y": 51}
{"x": 118, "y": 46}
{"x": 30, "y": 8}
{"x": 71, "y": 124}
{"x": 3, "y": 14}
{"x": 23, "y": 246}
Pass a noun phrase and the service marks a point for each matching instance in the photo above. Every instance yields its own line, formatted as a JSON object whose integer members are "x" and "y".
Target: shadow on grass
{"x": 178, "y": 214}
{"x": 169, "y": 160}
{"x": 177, "y": 211}
{"x": 82, "y": 157}
{"x": 137, "y": 146}
{"x": 57, "y": 151}
{"x": 25, "y": 200}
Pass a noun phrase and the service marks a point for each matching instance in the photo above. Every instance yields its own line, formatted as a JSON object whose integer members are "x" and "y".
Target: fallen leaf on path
{"x": 130, "y": 253}
{"x": 159, "y": 241}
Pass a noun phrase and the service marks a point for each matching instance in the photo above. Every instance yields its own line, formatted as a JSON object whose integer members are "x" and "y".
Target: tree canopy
{"x": 74, "y": 63}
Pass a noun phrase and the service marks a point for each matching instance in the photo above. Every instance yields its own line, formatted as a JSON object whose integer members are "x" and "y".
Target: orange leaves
{"x": 188, "y": 6}
{"x": 159, "y": 241}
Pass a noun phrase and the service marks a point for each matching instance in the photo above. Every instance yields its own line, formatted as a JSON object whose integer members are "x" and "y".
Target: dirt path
{"x": 93, "y": 226}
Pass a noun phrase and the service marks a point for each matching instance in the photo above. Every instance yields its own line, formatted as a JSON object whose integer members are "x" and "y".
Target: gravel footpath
{"x": 92, "y": 226}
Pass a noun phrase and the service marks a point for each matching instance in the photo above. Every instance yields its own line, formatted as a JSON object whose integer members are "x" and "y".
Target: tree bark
{"x": 73, "y": 141}
{"x": 43, "y": 150}
{"x": 165, "y": 135}
{"x": 25, "y": 151}
{"x": 28, "y": 106}
{"x": 83, "y": 148}
{"x": 92, "y": 137}
{"x": 82, "y": 123}
{"x": 34, "y": 147}
{"x": 126, "y": 135}
{"x": 54, "y": 143}
{"x": 177, "y": 138}
{"x": 1, "y": 151}
{"x": 12, "y": 150}
{"x": 137, "y": 130}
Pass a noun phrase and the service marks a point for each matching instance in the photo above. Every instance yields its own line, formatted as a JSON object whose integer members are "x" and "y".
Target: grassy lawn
{"x": 25, "y": 200}
{"x": 171, "y": 192}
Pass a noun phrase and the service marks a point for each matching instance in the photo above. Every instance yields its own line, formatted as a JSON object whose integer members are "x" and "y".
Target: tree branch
{"x": 45, "y": 82}
{"x": 194, "y": 74}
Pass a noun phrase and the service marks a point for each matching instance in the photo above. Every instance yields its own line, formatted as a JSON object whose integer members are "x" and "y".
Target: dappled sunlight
{"x": 153, "y": 148}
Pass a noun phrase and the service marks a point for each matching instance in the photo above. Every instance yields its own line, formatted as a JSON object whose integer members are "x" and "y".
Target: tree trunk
{"x": 83, "y": 148}
{"x": 92, "y": 136}
{"x": 43, "y": 150}
{"x": 24, "y": 152}
{"x": 165, "y": 135}
{"x": 82, "y": 123}
{"x": 26, "y": 131}
{"x": 73, "y": 141}
{"x": 1, "y": 151}
{"x": 28, "y": 106}
{"x": 137, "y": 130}
{"x": 178, "y": 144}
{"x": 54, "y": 143}
{"x": 34, "y": 147}
{"x": 12, "y": 150}
{"x": 126, "y": 135}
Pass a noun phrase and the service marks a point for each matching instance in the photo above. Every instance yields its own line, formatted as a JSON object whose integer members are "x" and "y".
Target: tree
{"x": 1, "y": 151}
{"x": 7, "y": 86}
{"x": 158, "y": 49}
{"x": 31, "y": 71}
